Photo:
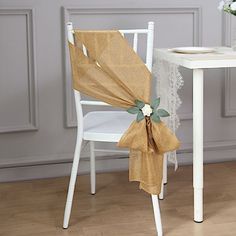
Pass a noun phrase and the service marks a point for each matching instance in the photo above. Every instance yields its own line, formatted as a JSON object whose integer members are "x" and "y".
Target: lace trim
{"x": 169, "y": 81}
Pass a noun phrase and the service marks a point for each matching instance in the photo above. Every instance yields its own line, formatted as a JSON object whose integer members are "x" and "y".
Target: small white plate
{"x": 193, "y": 50}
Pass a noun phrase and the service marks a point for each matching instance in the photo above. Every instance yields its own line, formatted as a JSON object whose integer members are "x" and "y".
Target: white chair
{"x": 105, "y": 126}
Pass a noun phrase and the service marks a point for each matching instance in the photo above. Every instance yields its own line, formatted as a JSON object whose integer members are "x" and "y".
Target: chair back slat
{"x": 150, "y": 41}
{"x": 70, "y": 32}
{"x": 149, "y": 50}
{"x": 85, "y": 50}
{"x": 132, "y": 31}
{"x": 135, "y": 42}
{"x": 123, "y": 34}
{"x": 94, "y": 103}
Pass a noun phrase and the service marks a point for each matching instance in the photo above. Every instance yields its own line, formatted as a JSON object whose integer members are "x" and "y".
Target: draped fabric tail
{"x": 146, "y": 168}
{"x": 146, "y": 160}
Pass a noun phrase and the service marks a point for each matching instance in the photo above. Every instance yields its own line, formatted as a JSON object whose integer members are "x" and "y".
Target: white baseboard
{"x": 50, "y": 170}
{"x": 56, "y": 166}
{"x": 210, "y": 156}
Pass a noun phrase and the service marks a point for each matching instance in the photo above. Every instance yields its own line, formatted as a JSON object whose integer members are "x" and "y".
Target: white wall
{"x": 37, "y": 118}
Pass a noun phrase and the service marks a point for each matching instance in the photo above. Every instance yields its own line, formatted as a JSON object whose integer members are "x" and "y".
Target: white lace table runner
{"x": 169, "y": 81}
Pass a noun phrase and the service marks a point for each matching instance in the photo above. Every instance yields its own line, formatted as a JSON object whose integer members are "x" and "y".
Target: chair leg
{"x": 164, "y": 181}
{"x": 161, "y": 195}
{"x": 157, "y": 215}
{"x": 92, "y": 168}
{"x": 74, "y": 172}
{"x": 165, "y": 170}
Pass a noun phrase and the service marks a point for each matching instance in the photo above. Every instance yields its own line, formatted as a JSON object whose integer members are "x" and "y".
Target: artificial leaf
{"x": 155, "y": 117}
{"x": 133, "y": 110}
{"x": 140, "y": 116}
{"x": 154, "y": 113}
{"x": 139, "y": 104}
{"x": 162, "y": 113}
{"x": 155, "y": 103}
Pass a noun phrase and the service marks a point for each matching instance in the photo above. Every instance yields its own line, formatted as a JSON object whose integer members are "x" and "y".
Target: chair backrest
{"x": 149, "y": 32}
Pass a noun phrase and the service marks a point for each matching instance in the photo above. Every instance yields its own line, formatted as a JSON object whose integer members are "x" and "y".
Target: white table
{"x": 222, "y": 58}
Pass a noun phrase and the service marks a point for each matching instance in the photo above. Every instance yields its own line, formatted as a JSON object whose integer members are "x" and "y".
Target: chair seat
{"x": 106, "y": 126}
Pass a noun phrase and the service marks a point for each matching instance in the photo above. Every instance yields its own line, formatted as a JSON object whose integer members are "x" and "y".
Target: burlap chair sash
{"x": 112, "y": 72}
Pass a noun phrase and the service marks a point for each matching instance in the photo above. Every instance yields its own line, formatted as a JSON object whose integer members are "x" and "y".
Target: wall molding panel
{"x": 70, "y": 117}
{"x": 32, "y": 124}
{"x": 227, "y": 110}
{"x": 34, "y": 51}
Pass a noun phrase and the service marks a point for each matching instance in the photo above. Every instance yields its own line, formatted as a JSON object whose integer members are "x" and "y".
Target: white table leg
{"x": 198, "y": 144}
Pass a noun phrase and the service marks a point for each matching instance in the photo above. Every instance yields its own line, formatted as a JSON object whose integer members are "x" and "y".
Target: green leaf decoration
{"x": 156, "y": 118}
{"x": 155, "y": 103}
{"x": 140, "y": 116}
{"x": 162, "y": 113}
{"x": 156, "y": 113}
{"x": 133, "y": 110}
{"x": 139, "y": 104}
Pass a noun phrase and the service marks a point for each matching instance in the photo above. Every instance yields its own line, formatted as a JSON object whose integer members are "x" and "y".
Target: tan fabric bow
{"x": 114, "y": 73}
